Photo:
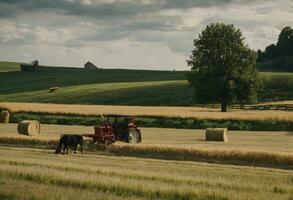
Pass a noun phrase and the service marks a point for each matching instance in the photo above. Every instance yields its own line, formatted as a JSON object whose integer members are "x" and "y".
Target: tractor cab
{"x": 119, "y": 121}
{"x": 123, "y": 126}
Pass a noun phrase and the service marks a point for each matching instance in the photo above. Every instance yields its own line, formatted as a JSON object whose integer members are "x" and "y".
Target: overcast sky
{"x": 149, "y": 34}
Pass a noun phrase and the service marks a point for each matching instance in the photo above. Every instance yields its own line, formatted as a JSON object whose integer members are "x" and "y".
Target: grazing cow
{"x": 69, "y": 140}
{"x": 53, "y": 89}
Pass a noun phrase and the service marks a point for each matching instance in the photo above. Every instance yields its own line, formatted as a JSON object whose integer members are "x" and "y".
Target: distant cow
{"x": 53, "y": 89}
{"x": 69, "y": 140}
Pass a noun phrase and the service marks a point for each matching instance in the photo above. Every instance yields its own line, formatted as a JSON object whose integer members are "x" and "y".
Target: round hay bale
{"x": 5, "y": 115}
{"x": 29, "y": 127}
{"x": 217, "y": 134}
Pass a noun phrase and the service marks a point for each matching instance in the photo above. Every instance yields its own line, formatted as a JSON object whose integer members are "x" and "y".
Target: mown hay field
{"x": 37, "y": 173}
{"x": 278, "y": 142}
{"x": 40, "y": 174}
{"x": 194, "y": 112}
{"x": 271, "y": 149}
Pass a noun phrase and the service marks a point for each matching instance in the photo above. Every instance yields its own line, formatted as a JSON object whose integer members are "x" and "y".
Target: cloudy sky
{"x": 152, "y": 34}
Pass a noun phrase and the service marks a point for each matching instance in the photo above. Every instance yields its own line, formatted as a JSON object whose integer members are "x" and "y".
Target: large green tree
{"x": 223, "y": 67}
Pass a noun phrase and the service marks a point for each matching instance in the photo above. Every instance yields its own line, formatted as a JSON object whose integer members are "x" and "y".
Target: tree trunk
{"x": 223, "y": 107}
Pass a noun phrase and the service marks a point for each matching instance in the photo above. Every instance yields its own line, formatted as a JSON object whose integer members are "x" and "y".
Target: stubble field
{"x": 195, "y": 112}
{"x": 40, "y": 174}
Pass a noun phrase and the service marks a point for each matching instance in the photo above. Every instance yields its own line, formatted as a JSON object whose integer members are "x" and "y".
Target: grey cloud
{"x": 104, "y": 10}
{"x": 157, "y": 25}
{"x": 193, "y": 3}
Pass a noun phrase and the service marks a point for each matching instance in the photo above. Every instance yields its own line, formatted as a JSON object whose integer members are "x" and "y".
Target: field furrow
{"x": 140, "y": 178}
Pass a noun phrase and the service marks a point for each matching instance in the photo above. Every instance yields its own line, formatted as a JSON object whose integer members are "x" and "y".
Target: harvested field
{"x": 238, "y": 140}
{"x": 261, "y": 148}
{"x": 44, "y": 175}
{"x": 195, "y": 112}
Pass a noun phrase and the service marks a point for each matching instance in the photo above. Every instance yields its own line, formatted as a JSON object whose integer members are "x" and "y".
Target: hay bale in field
{"x": 4, "y": 118}
{"x": 217, "y": 134}
{"x": 29, "y": 127}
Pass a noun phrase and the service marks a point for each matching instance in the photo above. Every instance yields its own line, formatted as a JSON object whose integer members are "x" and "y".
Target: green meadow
{"x": 113, "y": 86}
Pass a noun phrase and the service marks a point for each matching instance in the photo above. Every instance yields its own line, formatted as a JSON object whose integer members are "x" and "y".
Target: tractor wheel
{"x": 132, "y": 136}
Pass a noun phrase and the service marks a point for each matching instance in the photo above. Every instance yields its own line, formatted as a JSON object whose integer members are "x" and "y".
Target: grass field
{"x": 133, "y": 93}
{"x": 9, "y": 66}
{"x": 200, "y": 113}
{"x": 105, "y": 86}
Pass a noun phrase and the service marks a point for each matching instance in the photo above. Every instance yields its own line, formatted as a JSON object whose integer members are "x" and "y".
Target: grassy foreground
{"x": 43, "y": 175}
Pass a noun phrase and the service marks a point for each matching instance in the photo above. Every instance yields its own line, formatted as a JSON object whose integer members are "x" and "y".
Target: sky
{"x": 134, "y": 34}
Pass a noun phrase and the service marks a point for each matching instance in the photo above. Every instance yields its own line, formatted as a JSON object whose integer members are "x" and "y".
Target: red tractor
{"x": 116, "y": 128}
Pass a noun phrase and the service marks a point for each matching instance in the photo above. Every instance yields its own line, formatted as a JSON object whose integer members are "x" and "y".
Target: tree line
{"x": 284, "y": 46}
{"x": 278, "y": 56}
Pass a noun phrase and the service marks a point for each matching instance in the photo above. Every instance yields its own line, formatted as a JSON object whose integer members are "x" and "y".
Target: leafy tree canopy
{"x": 222, "y": 67}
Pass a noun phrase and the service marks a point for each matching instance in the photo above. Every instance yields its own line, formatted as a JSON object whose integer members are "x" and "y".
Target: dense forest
{"x": 279, "y": 56}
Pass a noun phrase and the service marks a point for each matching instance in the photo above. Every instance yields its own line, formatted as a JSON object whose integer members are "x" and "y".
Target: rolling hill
{"x": 102, "y": 86}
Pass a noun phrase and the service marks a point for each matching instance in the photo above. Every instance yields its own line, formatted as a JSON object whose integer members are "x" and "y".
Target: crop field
{"x": 40, "y": 174}
{"x": 278, "y": 142}
{"x": 244, "y": 147}
{"x": 32, "y": 173}
{"x": 168, "y": 164}
{"x": 196, "y": 112}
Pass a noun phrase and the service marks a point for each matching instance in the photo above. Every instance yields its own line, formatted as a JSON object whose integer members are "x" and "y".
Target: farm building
{"x": 90, "y": 65}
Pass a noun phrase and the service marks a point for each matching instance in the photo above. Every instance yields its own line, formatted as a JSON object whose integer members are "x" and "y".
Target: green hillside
{"x": 102, "y": 86}
{"x": 15, "y": 82}
{"x": 9, "y": 66}
{"x": 174, "y": 93}
{"x": 105, "y": 86}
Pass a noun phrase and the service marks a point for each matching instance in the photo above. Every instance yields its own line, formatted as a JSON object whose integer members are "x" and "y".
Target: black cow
{"x": 69, "y": 140}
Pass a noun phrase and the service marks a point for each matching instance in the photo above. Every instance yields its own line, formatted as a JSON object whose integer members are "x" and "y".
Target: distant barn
{"x": 90, "y": 65}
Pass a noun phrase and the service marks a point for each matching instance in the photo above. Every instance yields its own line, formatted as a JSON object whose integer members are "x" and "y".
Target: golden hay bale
{"x": 29, "y": 127}
{"x": 4, "y": 117}
{"x": 217, "y": 134}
